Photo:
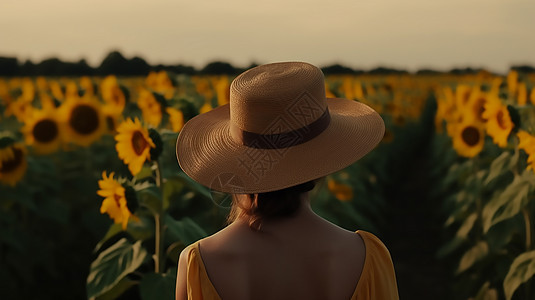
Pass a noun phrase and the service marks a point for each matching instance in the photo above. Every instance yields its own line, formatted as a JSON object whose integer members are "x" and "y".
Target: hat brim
{"x": 208, "y": 154}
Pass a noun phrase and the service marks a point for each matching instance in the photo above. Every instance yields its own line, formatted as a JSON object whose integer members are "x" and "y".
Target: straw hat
{"x": 278, "y": 130}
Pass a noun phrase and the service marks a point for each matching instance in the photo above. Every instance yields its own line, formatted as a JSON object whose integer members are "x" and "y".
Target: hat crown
{"x": 277, "y": 98}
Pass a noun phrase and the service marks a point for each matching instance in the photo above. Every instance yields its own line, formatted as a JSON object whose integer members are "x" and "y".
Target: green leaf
{"x": 473, "y": 255}
{"x": 151, "y": 197}
{"x": 112, "y": 231}
{"x": 467, "y": 226}
{"x": 172, "y": 187}
{"x": 145, "y": 172}
{"x": 157, "y": 286}
{"x": 141, "y": 229}
{"x": 112, "y": 265}
{"x": 503, "y": 163}
{"x": 195, "y": 186}
{"x": 185, "y": 230}
{"x": 509, "y": 203}
{"x": 449, "y": 247}
{"x": 521, "y": 270}
{"x": 486, "y": 293}
{"x": 121, "y": 287}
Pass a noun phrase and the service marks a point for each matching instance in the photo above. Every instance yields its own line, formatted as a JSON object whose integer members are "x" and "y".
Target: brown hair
{"x": 271, "y": 205}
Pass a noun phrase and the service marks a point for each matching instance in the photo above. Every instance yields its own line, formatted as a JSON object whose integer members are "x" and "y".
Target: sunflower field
{"x": 94, "y": 205}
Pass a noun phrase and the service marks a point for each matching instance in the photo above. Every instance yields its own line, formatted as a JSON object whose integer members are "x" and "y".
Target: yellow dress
{"x": 377, "y": 281}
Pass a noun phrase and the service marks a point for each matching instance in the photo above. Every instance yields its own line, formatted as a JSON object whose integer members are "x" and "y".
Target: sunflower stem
{"x": 527, "y": 222}
{"x": 479, "y": 204}
{"x": 515, "y": 168}
{"x": 158, "y": 258}
{"x": 158, "y": 250}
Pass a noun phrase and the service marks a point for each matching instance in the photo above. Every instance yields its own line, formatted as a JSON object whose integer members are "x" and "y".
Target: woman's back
{"x": 278, "y": 135}
{"x": 299, "y": 258}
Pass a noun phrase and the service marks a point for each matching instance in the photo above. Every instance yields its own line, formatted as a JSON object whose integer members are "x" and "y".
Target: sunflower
{"x": 495, "y": 86}
{"x": 112, "y": 116}
{"x": 532, "y": 96}
{"x": 205, "y": 108}
{"x": 112, "y": 93}
{"x": 476, "y": 106}
{"x": 57, "y": 90}
{"x": 176, "y": 118}
{"x": 164, "y": 84}
{"x": 341, "y": 191}
{"x": 222, "y": 88}
{"x": 512, "y": 82}
{"x": 152, "y": 79}
{"x": 499, "y": 123}
{"x": 462, "y": 95}
{"x": 358, "y": 90}
{"x": 521, "y": 94}
{"x": 41, "y": 83}
{"x": 71, "y": 89}
{"x": 20, "y": 108}
{"x": 468, "y": 138}
{"x": 348, "y": 87}
{"x": 13, "y": 163}
{"x": 133, "y": 144}
{"x": 43, "y": 131}
{"x": 445, "y": 108}
{"x": 114, "y": 203}
{"x": 5, "y": 97}
{"x": 203, "y": 87}
{"x": 28, "y": 90}
{"x": 84, "y": 120}
{"x": 151, "y": 108}
{"x": 328, "y": 92}
{"x": 86, "y": 84}
{"x": 527, "y": 143}
{"x": 47, "y": 103}
{"x": 370, "y": 90}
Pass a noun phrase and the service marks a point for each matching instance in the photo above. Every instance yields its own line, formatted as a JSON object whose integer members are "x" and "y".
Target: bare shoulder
{"x": 340, "y": 236}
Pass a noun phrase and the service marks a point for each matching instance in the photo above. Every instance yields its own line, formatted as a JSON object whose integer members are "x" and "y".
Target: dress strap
{"x": 378, "y": 278}
{"x": 198, "y": 282}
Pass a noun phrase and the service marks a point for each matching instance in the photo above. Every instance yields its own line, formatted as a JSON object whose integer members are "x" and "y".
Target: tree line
{"x": 116, "y": 63}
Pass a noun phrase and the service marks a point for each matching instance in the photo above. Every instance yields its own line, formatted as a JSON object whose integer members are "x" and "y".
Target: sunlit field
{"x": 93, "y": 202}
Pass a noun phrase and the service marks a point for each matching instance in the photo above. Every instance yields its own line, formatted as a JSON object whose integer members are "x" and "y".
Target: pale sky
{"x": 361, "y": 34}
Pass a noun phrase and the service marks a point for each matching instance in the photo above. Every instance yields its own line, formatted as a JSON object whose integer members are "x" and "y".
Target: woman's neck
{"x": 303, "y": 217}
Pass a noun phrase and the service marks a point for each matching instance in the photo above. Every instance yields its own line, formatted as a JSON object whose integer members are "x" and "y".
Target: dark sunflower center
{"x": 500, "y": 119}
{"x": 84, "y": 119}
{"x": 45, "y": 131}
{"x": 470, "y": 136}
{"x": 12, "y": 164}
{"x": 138, "y": 142}
{"x": 117, "y": 198}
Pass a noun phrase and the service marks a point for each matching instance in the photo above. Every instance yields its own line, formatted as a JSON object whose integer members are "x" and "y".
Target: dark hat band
{"x": 281, "y": 140}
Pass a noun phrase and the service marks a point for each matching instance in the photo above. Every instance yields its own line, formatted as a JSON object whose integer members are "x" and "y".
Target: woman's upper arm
{"x": 181, "y": 292}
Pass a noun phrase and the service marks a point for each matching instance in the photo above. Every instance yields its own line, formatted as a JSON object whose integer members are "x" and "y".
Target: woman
{"x": 278, "y": 135}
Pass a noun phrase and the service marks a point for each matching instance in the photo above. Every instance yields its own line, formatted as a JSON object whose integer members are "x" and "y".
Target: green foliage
{"x": 474, "y": 254}
{"x": 158, "y": 286}
{"x": 112, "y": 265}
{"x": 489, "y": 201}
{"x": 522, "y": 269}
{"x": 185, "y": 230}
{"x": 510, "y": 202}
